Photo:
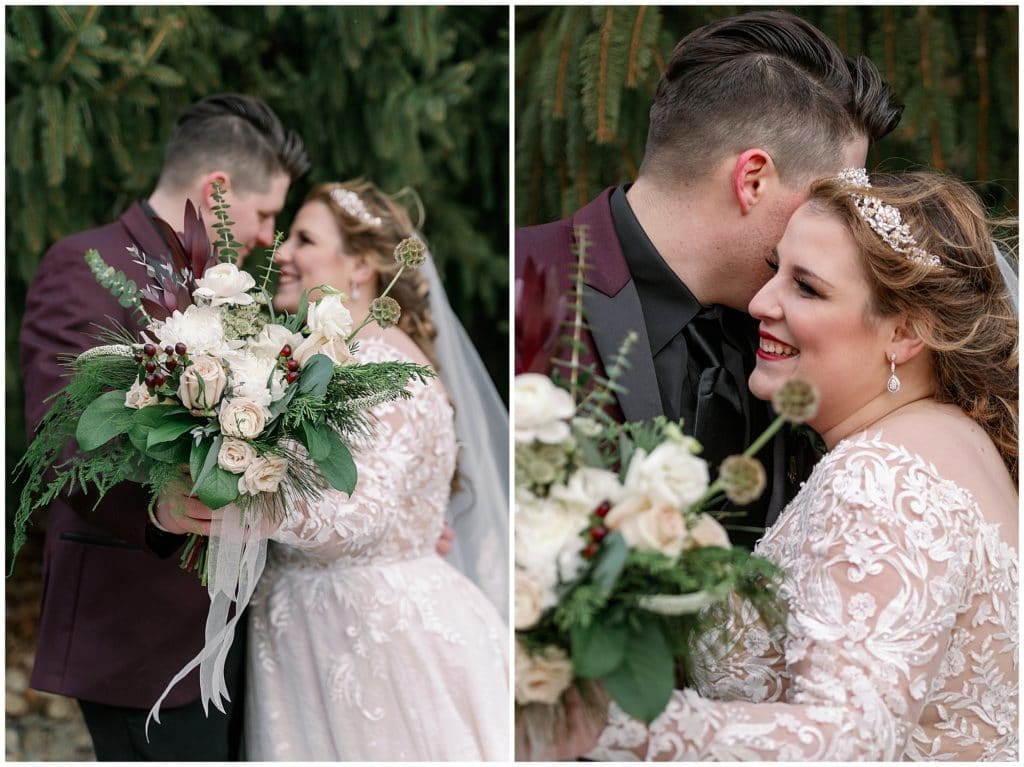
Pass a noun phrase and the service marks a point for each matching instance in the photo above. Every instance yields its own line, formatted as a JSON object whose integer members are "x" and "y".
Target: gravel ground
{"x": 40, "y": 727}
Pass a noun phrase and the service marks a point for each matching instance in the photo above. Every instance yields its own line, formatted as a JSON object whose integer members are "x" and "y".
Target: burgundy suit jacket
{"x": 117, "y": 621}
{"x": 612, "y": 308}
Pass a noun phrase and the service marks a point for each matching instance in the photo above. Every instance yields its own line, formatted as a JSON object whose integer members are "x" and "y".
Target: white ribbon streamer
{"x": 237, "y": 555}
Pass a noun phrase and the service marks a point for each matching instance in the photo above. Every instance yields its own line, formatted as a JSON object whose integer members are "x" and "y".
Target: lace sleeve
{"x": 877, "y": 552}
{"x": 402, "y": 470}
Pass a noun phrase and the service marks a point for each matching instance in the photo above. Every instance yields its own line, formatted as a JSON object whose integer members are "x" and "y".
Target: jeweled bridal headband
{"x": 884, "y": 219}
{"x": 353, "y": 204}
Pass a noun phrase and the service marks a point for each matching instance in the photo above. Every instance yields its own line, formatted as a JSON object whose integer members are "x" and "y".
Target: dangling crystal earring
{"x": 893, "y": 384}
{"x": 353, "y": 291}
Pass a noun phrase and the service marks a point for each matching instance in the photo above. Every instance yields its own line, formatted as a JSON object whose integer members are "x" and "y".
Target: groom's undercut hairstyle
{"x": 236, "y": 133}
{"x": 765, "y": 79}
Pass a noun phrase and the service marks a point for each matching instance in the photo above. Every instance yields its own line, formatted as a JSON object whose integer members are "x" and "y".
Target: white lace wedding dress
{"x": 901, "y": 639}
{"x": 364, "y": 644}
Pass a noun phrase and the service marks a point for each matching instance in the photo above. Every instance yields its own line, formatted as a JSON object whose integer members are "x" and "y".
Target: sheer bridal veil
{"x": 478, "y": 512}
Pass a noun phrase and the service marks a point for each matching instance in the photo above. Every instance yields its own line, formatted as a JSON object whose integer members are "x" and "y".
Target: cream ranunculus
{"x": 708, "y": 532}
{"x": 528, "y": 601}
{"x": 542, "y": 677}
{"x": 648, "y": 525}
{"x": 202, "y": 383}
{"x": 267, "y": 344}
{"x": 330, "y": 317}
{"x": 671, "y": 474}
{"x": 241, "y": 417}
{"x": 318, "y": 343}
{"x": 263, "y": 475}
{"x": 235, "y": 455}
{"x": 542, "y": 410}
{"x": 139, "y": 397}
{"x": 225, "y": 284}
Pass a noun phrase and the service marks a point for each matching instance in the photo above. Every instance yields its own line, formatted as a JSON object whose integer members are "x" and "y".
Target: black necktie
{"x": 720, "y": 420}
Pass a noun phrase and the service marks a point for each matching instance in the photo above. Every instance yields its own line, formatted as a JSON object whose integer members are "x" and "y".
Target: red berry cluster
{"x": 597, "y": 531}
{"x": 291, "y": 365}
{"x": 158, "y": 371}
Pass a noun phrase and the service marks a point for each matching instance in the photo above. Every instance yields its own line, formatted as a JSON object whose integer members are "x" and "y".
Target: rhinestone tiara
{"x": 353, "y": 204}
{"x": 884, "y": 219}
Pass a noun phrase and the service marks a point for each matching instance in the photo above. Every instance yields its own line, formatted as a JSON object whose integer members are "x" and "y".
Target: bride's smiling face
{"x": 314, "y": 254}
{"x": 816, "y": 320}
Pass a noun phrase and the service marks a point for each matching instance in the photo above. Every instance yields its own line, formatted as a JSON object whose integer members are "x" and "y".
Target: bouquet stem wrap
{"x": 238, "y": 554}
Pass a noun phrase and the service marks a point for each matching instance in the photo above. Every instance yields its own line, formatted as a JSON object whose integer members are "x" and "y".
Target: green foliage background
{"x": 409, "y": 96}
{"x": 586, "y": 76}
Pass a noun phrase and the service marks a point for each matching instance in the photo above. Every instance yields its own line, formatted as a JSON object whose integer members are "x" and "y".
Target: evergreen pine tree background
{"x": 586, "y": 76}
{"x": 405, "y": 96}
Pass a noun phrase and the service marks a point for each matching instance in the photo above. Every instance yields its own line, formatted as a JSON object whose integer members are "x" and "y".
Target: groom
{"x": 119, "y": 618}
{"x": 750, "y": 109}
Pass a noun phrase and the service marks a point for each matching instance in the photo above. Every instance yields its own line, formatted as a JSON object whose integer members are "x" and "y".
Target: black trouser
{"x": 185, "y": 734}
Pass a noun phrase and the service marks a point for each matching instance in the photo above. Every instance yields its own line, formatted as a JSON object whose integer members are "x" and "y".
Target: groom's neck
{"x": 682, "y": 226}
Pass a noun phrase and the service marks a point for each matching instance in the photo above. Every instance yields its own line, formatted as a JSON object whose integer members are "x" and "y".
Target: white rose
{"x": 202, "y": 383}
{"x": 547, "y": 532}
{"x": 269, "y": 342}
{"x": 586, "y": 488}
{"x": 671, "y": 474}
{"x": 708, "y": 532}
{"x": 235, "y": 455}
{"x": 241, "y": 417}
{"x": 255, "y": 378}
{"x": 648, "y": 525}
{"x": 528, "y": 601}
{"x": 199, "y": 328}
{"x": 318, "y": 343}
{"x": 139, "y": 397}
{"x": 225, "y": 284}
{"x": 542, "y": 677}
{"x": 542, "y": 410}
{"x": 330, "y": 317}
{"x": 263, "y": 475}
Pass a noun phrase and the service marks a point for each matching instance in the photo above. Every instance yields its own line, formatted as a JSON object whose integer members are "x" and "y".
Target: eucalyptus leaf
{"x": 598, "y": 649}
{"x": 611, "y": 560}
{"x": 642, "y": 685}
{"x": 169, "y": 430}
{"x": 218, "y": 488}
{"x": 315, "y": 375}
{"x": 339, "y": 469}
{"x": 105, "y": 418}
{"x": 318, "y": 440}
{"x": 202, "y": 460}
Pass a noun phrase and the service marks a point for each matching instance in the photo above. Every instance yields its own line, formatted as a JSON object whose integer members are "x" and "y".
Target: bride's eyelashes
{"x": 804, "y": 287}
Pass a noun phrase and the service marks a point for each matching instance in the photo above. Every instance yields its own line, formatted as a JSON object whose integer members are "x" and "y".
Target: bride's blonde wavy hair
{"x": 962, "y": 310}
{"x": 377, "y": 243}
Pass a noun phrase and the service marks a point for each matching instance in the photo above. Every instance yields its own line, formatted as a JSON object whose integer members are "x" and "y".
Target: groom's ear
{"x": 751, "y": 171}
{"x": 209, "y": 180}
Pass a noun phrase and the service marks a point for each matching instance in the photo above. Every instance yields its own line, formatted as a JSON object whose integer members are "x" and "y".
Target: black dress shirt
{"x": 702, "y": 356}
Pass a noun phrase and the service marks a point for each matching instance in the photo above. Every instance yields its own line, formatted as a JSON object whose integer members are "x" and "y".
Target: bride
{"x": 901, "y": 549}
{"x": 364, "y": 644}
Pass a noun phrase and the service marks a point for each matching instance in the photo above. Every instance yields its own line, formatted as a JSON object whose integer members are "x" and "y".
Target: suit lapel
{"x": 612, "y": 308}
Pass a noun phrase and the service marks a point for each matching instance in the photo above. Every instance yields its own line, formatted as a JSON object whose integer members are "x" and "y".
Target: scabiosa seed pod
{"x": 796, "y": 400}
{"x": 411, "y": 252}
{"x": 385, "y": 311}
{"x": 742, "y": 478}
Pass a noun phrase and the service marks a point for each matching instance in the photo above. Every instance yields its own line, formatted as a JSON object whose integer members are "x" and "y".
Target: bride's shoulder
{"x": 941, "y": 442}
{"x": 377, "y": 345}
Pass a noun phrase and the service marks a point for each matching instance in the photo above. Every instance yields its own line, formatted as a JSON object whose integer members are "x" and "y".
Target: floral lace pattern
{"x": 900, "y": 643}
{"x": 364, "y": 644}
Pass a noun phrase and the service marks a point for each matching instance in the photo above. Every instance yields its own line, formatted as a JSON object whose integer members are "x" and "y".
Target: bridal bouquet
{"x": 615, "y": 554}
{"x": 237, "y": 404}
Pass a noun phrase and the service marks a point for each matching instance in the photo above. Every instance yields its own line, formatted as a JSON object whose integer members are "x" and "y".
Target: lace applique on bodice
{"x": 397, "y": 509}
{"x": 901, "y": 639}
